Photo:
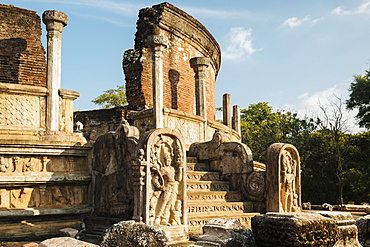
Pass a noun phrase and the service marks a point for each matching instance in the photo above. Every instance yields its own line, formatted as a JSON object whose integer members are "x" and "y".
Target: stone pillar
{"x": 200, "y": 64}
{"x": 236, "y": 119}
{"x": 226, "y": 109}
{"x": 158, "y": 43}
{"x": 54, "y": 21}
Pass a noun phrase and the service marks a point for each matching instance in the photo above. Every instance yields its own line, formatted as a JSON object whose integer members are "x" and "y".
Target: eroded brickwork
{"x": 187, "y": 39}
{"x": 22, "y": 57}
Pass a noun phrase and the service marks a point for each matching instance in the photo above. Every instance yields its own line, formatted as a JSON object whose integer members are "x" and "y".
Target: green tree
{"x": 360, "y": 98}
{"x": 262, "y": 127}
{"x": 112, "y": 98}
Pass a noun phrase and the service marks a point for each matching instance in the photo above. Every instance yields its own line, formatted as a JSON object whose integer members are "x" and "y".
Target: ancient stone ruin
{"x": 165, "y": 162}
{"x": 44, "y": 170}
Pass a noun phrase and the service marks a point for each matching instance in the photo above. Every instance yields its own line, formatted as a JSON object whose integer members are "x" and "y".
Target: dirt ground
{"x": 19, "y": 244}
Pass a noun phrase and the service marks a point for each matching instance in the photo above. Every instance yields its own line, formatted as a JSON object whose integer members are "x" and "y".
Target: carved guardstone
{"x": 160, "y": 182}
{"x": 283, "y": 179}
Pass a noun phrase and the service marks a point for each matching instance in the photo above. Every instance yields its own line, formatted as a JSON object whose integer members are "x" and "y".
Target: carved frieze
{"x": 43, "y": 197}
{"x": 214, "y": 197}
{"x": 229, "y": 208}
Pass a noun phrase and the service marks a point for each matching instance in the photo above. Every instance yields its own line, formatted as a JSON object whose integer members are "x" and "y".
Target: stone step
{"x": 197, "y": 167}
{"x": 218, "y": 210}
{"x": 203, "y": 176}
{"x": 213, "y": 196}
{"x": 195, "y": 223}
{"x": 207, "y": 186}
{"x": 190, "y": 159}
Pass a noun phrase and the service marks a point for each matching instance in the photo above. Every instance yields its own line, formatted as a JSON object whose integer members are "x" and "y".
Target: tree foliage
{"x": 112, "y": 98}
{"x": 360, "y": 98}
{"x": 334, "y": 163}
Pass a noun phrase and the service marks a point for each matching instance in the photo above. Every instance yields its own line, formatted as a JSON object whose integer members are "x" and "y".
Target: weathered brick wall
{"x": 187, "y": 39}
{"x": 22, "y": 56}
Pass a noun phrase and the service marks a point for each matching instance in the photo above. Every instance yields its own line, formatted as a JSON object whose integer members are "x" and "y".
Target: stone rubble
{"x": 131, "y": 233}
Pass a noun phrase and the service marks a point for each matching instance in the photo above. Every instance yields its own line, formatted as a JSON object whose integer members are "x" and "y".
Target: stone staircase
{"x": 209, "y": 197}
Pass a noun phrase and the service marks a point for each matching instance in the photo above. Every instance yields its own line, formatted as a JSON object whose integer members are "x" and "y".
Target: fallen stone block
{"x": 305, "y": 229}
{"x": 346, "y": 229}
{"x": 68, "y": 232}
{"x": 225, "y": 232}
{"x": 131, "y": 233}
{"x": 64, "y": 242}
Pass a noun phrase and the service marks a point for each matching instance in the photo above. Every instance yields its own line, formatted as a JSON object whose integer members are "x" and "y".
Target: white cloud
{"x": 364, "y": 8}
{"x": 294, "y": 22}
{"x": 239, "y": 44}
{"x": 309, "y": 105}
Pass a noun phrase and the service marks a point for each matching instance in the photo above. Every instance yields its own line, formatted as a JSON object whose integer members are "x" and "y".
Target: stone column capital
{"x": 199, "y": 62}
{"x": 157, "y": 41}
{"x": 54, "y": 20}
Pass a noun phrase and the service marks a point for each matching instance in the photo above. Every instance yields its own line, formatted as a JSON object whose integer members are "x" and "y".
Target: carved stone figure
{"x": 166, "y": 179}
{"x": 288, "y": 173}
{"x": 3, "y": 165}
{"x": 31, "y": 165}
{"x": 4, "y": 198}
{"x": 58, "y": 198}
{"x": 20, "y": 198}
{"x": 176, "y": 213}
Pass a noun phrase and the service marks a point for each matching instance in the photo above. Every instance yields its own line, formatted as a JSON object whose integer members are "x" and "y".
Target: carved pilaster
{"x": 200, "y": 65}
{"x": 158, "y": 44}
{"x": 139, "y": 182}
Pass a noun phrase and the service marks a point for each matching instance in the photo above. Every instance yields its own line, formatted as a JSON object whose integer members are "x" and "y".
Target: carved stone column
{"x": 200, "y": 64}
{"x": 226, "y": 108}
{"x": 236, "y": 119}
{"x": 158, "y": 43}
{"x": 54, "y": 21}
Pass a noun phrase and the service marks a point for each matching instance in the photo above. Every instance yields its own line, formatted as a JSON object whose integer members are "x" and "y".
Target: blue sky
{"x": 294, "y": 54}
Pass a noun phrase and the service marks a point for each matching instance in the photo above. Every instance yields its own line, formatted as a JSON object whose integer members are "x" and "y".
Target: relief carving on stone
{"x": 18, "y": 164}
{"x": 283, "y": 183}
{"x": 162, "y": 175}
{"x": 166, "y": 173}
{"x": 42, "y": 197}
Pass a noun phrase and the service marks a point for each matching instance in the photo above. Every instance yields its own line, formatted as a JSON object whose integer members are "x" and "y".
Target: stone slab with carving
{"x": 305, "y": 229}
